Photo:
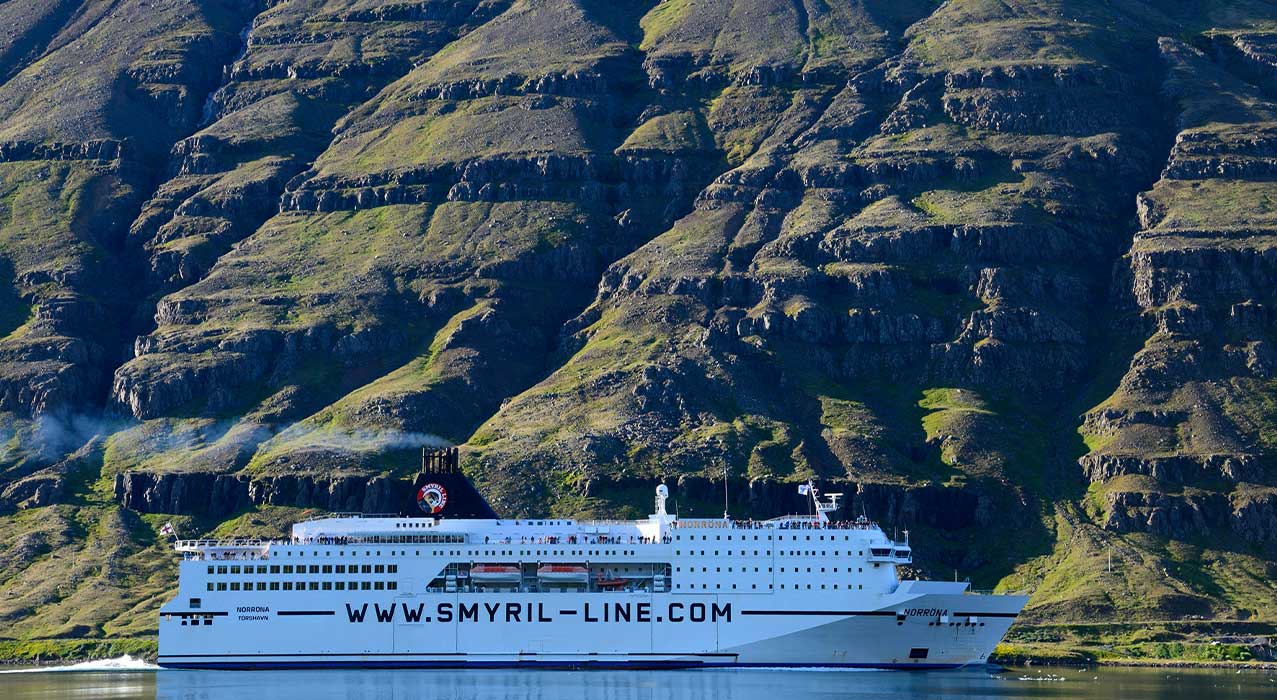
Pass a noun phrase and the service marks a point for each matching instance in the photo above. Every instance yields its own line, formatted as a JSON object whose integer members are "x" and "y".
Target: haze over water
{"x": 752, "y": 684}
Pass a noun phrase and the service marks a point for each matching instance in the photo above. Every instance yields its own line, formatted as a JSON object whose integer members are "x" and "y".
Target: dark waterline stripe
{"x": 567, "y": 665}
{"x": 711, "y": 654}
{"x": 879, "y": 613}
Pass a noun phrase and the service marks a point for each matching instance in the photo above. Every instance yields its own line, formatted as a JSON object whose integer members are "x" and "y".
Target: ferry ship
{"x": 453, "y": 585}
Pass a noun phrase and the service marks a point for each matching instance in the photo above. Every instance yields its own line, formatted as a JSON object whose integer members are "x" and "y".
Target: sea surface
{"x": 127, "y": 680}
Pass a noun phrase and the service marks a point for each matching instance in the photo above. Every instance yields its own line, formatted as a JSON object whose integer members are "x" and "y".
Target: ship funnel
{"x": 442, "y": 490}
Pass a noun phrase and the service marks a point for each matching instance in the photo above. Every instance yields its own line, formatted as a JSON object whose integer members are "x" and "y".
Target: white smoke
{"x": 52, "y": 437}
{"x": 302, "y": 437}
{"x": 56, "y": 436}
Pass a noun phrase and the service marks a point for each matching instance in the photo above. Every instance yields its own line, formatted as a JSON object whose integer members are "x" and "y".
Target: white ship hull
{"x": 601, "y": 629}
{"x": 662, "y": 592}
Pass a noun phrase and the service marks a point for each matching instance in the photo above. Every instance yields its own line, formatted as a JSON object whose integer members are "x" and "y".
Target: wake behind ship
{"x": 456, "y": 586}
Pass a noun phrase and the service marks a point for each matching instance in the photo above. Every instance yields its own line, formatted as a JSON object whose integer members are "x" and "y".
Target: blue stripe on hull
{"x": 548, "y": 665}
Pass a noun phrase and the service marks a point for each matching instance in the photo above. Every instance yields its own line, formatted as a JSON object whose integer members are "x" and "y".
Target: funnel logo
{"x": 432, "y": 498}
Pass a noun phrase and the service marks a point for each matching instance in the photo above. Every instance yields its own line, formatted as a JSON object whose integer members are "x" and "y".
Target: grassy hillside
{"x": 1003, "y": 270}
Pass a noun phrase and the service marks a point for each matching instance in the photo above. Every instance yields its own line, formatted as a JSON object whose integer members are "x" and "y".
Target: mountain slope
{"x": 1004, "y": 270}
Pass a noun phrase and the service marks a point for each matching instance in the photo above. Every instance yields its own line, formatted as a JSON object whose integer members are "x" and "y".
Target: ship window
{"x": 221, "y": 586}
{"x": 261, "y": 585}
{"x": 341, "y": 585}
{"x": 274, "y": 569}
{"x": 235, "y": 585}
{"x": 195, "y": 603}
{"x": 392, "y": 585}
{"x": 328, "y": 568}
{"x": 221, "y": 569}
{"x": 367, "y": 569}
{"x": 365, "y": 586}
{"x": 210, "y": 569}
{"x": 210, "y": 586}
{"x": 328, "y": 585}
{"x": 314, "y": 585}
{"x": 341, "y": 568}
{"x": 288, "y": 585}
{"x": 234, "y": 569}
{"x": 918, "y": 653}
{"x": 380, "y": 568}
{"x": 354, "y": 585}
{"x": 314, "y": 569}
{"x": 288, "y": 568}
{"x": 300, "y": 586}
{"x": 274, "y": 585}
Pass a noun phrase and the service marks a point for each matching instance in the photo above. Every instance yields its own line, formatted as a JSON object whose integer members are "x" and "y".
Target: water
{"x": 132, "y": 680}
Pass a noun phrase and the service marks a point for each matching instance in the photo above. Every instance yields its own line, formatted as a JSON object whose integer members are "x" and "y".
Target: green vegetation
{"x": 884, "y": 245}
{"x": 663, "y": 19}
{"x": 44, "y": 650}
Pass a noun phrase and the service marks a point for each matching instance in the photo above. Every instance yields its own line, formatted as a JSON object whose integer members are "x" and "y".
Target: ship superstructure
{"x": 396, "y": 591}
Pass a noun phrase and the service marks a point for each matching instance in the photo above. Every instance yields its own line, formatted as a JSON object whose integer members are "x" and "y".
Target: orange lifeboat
{"x": 495, "y": 573}
{"x": 563, "y": 573}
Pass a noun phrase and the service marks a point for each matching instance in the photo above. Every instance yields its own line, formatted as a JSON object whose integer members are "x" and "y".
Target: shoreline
{"x": 1005, "y": 661}
{"x": 1050, "y": 662}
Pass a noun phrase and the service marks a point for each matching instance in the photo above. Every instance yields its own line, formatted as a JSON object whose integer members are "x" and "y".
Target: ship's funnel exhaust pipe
{"x": 442, "y": 461}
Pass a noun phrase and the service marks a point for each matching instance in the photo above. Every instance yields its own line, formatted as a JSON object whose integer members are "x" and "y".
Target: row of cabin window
{"x": 779, "y": 538}
{"x": 305, "y": 586}
{"x": 745, "y": 569}
{"x": 783, "y": 553}
{"x": 530, "y": 522}
{"x": 754, "y": 586}
{"x": 471, "y": 552}
{"x": 314, "y": 569}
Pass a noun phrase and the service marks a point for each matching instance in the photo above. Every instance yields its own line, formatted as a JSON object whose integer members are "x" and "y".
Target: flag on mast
{"x": 804, "y": 489}
{"x": 168, "y": 529}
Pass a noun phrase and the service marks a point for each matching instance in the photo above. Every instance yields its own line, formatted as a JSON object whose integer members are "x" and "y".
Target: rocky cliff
{"x": 1005, "y": 272}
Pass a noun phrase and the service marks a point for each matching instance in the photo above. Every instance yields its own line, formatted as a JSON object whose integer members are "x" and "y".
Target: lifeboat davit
{"x": 495, "y": 573}
{"x": 563, "y": 573}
